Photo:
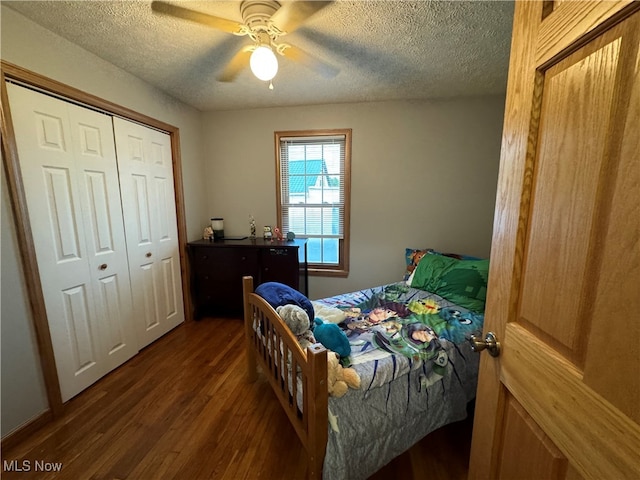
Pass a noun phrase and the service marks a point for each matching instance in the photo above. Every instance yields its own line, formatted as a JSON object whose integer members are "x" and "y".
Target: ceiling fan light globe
{"x": 264, "y": 63}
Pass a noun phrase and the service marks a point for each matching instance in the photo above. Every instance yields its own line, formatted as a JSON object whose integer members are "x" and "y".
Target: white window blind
{"x": 312, "y": 176}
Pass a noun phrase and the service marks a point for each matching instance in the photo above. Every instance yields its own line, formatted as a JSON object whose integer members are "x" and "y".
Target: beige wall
{"x": 423, "y": 175}
{"x": 30, "y": 46}
{"x": 23, "y": 392}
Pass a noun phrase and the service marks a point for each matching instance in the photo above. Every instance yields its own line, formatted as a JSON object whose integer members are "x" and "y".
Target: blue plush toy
{"x": 332, "y": 337}
{"x": 458, "y": 325}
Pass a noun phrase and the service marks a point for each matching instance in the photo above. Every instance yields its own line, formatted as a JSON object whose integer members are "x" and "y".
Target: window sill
{"x": 322, "y": 272}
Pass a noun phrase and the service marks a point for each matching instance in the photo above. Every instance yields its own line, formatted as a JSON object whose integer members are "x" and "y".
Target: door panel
{"x": 521, "y": 433}
{"x": 565, "y": 265}
{"x": 77, "y": 316}
{"x": 169, "y": 272}
{"x": 62, "y": 213}
{"x": 148, "y": 196}
{"x": 566, "y": 193}
{"x": 110, "y": 297}
{"x": 149, "y": 294}
{"x": 68, "y": 167}
{"x": 101, "y": 227}
{"x": 165, "y": 201}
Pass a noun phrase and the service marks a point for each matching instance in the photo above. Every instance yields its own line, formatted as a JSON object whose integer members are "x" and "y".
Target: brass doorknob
{"x": 490, "y": 343}
{"x": 148, "y": 254}
{"x": 103, "y": 266}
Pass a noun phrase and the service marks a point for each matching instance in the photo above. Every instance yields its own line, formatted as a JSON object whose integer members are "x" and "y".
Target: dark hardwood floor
{"x": 182, "y": 409}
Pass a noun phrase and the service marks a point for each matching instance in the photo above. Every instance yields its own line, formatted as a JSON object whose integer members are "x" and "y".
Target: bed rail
{"x": 272, "y": 346}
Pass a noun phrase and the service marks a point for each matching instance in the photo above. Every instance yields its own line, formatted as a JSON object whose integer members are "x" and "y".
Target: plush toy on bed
{"x": 298, "y": 322}
{"x": 332, "y": 337}
{"x": 339, "y": 379}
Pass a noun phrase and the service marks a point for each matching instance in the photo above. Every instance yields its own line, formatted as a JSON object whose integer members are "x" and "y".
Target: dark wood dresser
{"x": 217, "y": 268}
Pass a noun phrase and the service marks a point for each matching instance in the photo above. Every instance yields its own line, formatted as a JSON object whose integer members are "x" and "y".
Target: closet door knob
{"x": 103, "y": 266}
{"x": 148, "y": 254}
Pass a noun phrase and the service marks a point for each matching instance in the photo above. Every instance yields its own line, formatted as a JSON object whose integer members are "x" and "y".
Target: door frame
{"x": 9, "y": 71}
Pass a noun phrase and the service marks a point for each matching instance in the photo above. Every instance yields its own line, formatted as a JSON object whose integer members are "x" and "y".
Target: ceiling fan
{"x": 264, "y": 22}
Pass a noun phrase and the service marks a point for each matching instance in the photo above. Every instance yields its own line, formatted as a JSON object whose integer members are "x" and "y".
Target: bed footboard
{"x": 303, "y": 396}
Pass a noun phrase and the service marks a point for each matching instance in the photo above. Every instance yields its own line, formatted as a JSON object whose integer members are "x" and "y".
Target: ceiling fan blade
{"x": 292, "y": 14}
{"x": 323, "y": 68}
{"x": 239, "y": 62}
{"x": 216, "y": 22}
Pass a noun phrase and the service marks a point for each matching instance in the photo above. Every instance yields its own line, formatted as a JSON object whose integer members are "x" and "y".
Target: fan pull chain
{"x": 270, "y": 85}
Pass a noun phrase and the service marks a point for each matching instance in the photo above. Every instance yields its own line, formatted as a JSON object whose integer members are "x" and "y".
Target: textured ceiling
{"x": 385, "y": 50}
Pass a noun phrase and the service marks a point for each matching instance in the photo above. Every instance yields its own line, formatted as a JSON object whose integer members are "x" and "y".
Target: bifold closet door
{"x": 146, "y": 182}
{"x": 69, "y": 171}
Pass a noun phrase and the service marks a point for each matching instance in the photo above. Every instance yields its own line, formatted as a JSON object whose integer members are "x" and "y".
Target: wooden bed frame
{"x": 311, "y": 424}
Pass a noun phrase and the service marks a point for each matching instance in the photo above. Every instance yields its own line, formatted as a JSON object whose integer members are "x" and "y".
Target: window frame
{"x": 341, "y": 269}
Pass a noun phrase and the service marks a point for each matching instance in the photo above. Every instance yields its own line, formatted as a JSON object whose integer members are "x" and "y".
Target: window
{"x": 313, "y": 169}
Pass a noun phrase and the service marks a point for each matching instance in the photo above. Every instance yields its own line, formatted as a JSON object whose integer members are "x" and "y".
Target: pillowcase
{"x": 463, "y": 282}
{"x": 414, "y": 255}
{"x": 277, "y": 294}
{"x": 429, "y": 271}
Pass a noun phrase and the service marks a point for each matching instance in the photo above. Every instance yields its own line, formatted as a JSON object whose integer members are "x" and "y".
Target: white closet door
{"x": 69, "y": 172}
{"x": 146, "y": 182}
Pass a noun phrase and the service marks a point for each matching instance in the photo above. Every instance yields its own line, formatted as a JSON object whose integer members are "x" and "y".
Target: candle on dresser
{"x": 217, "y": 224}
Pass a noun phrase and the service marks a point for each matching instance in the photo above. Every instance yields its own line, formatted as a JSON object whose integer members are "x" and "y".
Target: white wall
{"x": 32, "y": 47}
{"x": 423, "y": 175}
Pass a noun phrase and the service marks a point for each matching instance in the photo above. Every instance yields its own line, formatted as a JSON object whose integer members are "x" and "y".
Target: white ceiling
{"x": 385, "y": 50}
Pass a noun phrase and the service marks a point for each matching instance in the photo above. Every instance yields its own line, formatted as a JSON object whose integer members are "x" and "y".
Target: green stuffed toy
{"x": 332, "y": 337}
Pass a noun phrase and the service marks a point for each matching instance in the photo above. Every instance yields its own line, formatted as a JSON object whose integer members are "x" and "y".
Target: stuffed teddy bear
{"x": 298, "y": 322}
{"x": 332, "y": 337}
{"x": 339, "y": 379}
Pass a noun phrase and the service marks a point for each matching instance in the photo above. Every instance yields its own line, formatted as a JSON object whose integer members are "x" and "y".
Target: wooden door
{"x": 563, "y": 398}
{"x": 146, "y": 182}
{"x": 68, "y": 167}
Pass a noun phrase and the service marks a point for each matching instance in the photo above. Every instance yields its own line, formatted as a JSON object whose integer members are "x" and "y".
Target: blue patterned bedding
{"x": 416, "y": 368}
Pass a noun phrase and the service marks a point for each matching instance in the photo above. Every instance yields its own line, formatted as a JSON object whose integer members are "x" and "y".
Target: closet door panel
{"x": 106, "y": 244}
{"x": 147, "y": 293}
{"x": 70, "y": 198}
{"x": 59, "y": 219}
{"x": 146, "y": 180}
{"x": 167, "y": 231}
{"x": 95, "y": 154}
{"x": 117, "y": 333}
{"x": 82, "y": 362}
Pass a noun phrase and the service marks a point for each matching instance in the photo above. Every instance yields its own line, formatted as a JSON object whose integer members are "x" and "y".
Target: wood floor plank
{"x": 182, "y": 408}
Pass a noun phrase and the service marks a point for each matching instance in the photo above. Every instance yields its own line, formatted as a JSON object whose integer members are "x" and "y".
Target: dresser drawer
{"x": 236, "y": 258}
{"x": 280, "y": 264}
